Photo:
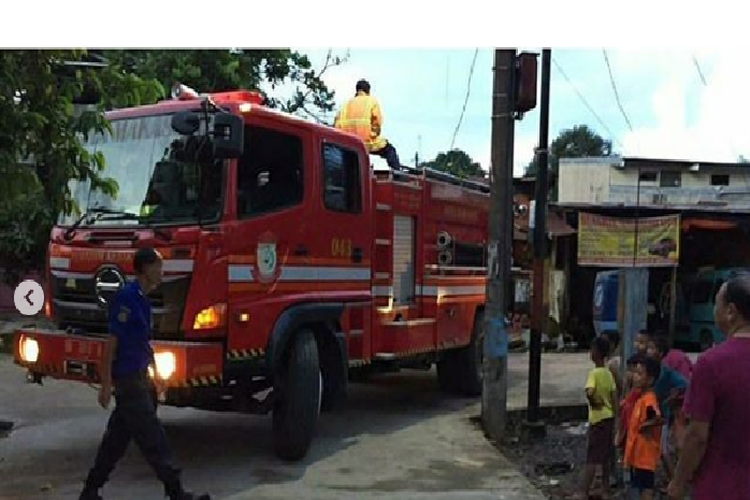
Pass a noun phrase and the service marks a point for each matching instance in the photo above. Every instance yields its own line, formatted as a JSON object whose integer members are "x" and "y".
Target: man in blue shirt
{"x": 127, "y": 357}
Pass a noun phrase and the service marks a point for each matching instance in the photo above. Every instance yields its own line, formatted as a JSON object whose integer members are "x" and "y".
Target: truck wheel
{"x": 297, "y": 402}
{"x": 706, "y": 340}
{"x": 446, "y": 372}
{"x": 472, "y": 365}
{"x": 461, "y": 371}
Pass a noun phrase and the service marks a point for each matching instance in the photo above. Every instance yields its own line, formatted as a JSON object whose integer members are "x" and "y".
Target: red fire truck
{"x": 291, "y": 264}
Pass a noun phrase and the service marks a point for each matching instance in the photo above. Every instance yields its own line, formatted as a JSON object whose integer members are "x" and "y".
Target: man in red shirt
{"x": 716, "y": 449}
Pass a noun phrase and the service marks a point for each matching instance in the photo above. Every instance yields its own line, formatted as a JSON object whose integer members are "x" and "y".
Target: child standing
{"x": 627, "y": 403}
{"x": 669, "y": 388}
{"x": 672, "y": 358}
{"x": 614, "y": 361}
{"x": 643, "y": 439}
{"x": 640, "y": 348}
{"x": 640, "y": 344}
{"x": 600, "y": 392}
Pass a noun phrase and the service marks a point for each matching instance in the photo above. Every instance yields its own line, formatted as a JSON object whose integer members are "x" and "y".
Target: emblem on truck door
{"x": 267, "y": 260}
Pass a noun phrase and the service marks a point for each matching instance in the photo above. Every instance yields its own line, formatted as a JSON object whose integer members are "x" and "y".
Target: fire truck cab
{"x": 289, "y": 263}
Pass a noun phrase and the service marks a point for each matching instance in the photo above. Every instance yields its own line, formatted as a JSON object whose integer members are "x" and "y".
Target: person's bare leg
{"x": 647, "y": 495}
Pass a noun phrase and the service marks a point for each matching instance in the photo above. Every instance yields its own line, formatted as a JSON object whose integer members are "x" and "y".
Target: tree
{"x": 220, "y": 70}
{"x": 455, "y": 162}
{"x": 576, "y": 142}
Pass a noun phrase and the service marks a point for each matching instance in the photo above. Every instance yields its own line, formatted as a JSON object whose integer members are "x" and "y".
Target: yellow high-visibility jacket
{"x": 362, "y": 117}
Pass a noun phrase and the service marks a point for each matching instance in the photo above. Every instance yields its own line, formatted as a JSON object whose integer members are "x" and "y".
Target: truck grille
{"x": 76, "y": 304}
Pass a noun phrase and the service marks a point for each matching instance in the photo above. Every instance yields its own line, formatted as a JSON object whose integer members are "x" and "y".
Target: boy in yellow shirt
{"x": 601, "y": 394}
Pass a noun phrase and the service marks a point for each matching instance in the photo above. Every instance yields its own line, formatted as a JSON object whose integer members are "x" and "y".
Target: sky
{"x": 673, "y": 113}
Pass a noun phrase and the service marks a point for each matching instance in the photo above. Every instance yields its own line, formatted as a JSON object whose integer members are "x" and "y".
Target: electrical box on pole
{"x": 526, "y": 83}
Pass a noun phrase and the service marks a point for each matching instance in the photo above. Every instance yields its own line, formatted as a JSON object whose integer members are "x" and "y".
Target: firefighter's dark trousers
{"x": 390, "y": 155}
{"x": 134, "y": 418}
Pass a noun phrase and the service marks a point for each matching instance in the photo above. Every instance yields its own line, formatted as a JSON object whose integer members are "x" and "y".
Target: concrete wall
{"x": 596, "y": 180}
{"x": 583, "y": 183}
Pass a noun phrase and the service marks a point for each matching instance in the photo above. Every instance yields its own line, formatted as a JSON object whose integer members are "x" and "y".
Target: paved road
{"x": 399, "y": 438}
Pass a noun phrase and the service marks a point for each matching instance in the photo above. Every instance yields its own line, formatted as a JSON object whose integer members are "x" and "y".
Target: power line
{"x": 586, "y": 102}
{"x": 638, "y": 188}
{"x": 700, "y": 71}
{"x": 614, "y": 88}
{"x": 466, "y": 99}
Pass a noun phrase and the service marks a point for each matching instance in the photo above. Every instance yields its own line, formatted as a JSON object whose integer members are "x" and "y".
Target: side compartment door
{"x": 403, "y": 260}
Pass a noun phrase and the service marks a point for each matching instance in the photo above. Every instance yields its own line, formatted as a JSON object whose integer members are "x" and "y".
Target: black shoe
{"x": 186, "y": 495}
{"x": 90, "y": 495}
{"x": 5, "y": 425}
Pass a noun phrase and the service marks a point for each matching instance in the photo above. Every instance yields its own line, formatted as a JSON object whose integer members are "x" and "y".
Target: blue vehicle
{"x": 606, "y": 288}
{"x": 605, "y": 305}
{"x": 702, "y": 299}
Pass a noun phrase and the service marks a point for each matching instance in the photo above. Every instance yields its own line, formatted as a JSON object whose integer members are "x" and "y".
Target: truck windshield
{"x": 152, "y": 186}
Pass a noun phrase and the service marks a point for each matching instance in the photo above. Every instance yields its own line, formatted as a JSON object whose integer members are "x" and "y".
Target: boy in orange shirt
{"x": 643, "y": 438}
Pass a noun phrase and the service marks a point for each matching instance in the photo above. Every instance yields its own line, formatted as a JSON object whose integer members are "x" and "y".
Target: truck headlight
{"x": 29, "y": 350}
{"x": 166, "y": 364}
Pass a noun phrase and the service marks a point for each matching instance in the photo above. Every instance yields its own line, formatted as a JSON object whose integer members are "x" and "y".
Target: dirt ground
{"x": 555, "y": 463}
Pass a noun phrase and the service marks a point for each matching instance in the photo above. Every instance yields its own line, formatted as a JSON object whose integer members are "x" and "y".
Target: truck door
{"x": 342, "y": 232}
{"x": 344, "y": 225}
{"x": 274, "y": 199}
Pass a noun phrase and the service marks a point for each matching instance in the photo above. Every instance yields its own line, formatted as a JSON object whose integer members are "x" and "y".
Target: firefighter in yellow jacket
{"x": 361, "y": 116}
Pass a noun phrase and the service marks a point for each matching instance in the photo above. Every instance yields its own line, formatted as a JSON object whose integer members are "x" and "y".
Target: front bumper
{"x": 60, "y": 355}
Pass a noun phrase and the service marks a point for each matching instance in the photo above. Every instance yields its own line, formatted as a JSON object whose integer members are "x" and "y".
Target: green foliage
{"x": 220, "y": 70}
{"x": 455, "y": 162}
{"x": 576, "y": 142}
{"x": 24, "y": 229}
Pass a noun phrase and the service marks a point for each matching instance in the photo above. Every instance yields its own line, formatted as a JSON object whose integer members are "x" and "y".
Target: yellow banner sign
{"x": 610, "y": 241}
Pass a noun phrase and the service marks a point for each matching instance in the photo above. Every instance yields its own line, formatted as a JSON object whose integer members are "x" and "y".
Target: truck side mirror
{"x": 228, "y": 136}
{"x": 186, "y": 122}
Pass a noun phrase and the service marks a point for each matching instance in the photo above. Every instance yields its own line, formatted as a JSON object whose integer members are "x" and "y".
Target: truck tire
{"x": 446, "y": 372}
{"x": 297, "y": 402}
{"x": 460, "y": 371}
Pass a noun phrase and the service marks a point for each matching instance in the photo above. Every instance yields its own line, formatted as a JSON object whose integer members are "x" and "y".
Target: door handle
{"x": 356, "y": 254}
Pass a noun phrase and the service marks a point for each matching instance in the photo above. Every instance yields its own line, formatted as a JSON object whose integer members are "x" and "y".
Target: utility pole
{"x": 540, "y": 251}
{"x": 495, "y": 367}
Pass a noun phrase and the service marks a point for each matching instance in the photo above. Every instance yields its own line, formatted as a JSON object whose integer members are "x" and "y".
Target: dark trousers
{"x": 134, "y": 418}
{"x": 390, "y": 155}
